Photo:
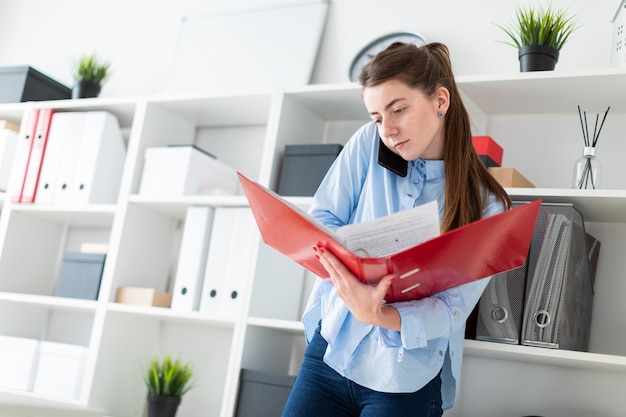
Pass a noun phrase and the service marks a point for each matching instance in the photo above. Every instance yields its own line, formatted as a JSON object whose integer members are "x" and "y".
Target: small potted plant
{"x": 89, "y": 72}
{"x": 539, "y": 34}
{"x": 167, "y": 381}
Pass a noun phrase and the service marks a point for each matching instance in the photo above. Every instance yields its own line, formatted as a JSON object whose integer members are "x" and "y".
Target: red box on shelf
{"x": 488, "y": 151}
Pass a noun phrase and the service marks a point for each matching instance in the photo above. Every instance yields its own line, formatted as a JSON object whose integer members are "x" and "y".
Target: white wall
{"x": 138, "y": 36}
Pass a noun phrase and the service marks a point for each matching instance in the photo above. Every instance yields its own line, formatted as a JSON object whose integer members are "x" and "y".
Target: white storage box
{"x": 60, "y": 370}
{"x": 8, "y": 147}
{"x": 18, "y": 361}
{"x": 185, "y": 170}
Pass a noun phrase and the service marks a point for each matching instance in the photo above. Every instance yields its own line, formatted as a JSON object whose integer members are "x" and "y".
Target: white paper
{"x": 391, "y": 234}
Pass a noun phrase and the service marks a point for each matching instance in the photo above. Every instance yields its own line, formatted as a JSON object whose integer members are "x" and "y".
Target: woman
{"x": 366, "y": 358}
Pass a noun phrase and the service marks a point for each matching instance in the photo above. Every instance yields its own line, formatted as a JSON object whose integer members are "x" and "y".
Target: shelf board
{"x": 291, "y": 326}
{"x": 546, "y": 356}
{"x": 57, "y": 303}
{"x": 177, "y": 206}
{"x": 595, "y": 205}
{"x": 93, "y": 215}
{"x": 28, "y": 404}
{"x": 220, "y": 110}
{"x": 546, "y": 92}
{"x": 169, "y": 315}
{"x": 332, "y": 102}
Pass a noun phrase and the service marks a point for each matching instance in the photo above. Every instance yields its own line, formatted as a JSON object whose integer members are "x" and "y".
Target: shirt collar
{"x": 428, "y": 169}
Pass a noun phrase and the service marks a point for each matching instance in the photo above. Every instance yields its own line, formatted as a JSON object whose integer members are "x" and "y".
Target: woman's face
{"x": 408, "y": 121}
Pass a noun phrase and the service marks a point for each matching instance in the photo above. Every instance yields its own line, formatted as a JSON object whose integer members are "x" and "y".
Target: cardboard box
{"x": 60, "y": 369}
{"x": 143, "y": 296}
{"x": 23, "y": 83}
{"x": 510, "y": 177}
{"x": 488, "y": 150}
{"x": 18, "y": 359}
{"x": 304, "y": 167}
{"x": 174, "y": 171}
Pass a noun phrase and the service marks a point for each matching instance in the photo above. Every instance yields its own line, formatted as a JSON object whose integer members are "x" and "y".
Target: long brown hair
{"x": 428, "y": 68}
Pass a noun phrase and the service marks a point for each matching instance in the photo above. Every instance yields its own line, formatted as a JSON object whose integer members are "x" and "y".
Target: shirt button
{"x": 418, "y": 340}
{"x": 452, "y": 353}
{"x": 455, "y": 313}
{"x": 416, "y": 182}
{"x": 440, "y": 353}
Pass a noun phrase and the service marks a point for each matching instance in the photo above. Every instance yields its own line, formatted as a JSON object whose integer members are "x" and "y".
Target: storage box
{"x": 8, "y": 147}
{"x": 304, "y": 167}
{"x": 143, "y": 296}
{"x": 262, "y": 394}
{"x": 18, "y": 360}
{"x": 510, "y": 177}
{"x": 185, "y": 170}
{"x": 80, "y": 275}
{"x": 27, "y": 84}
{"x": 60, "y": 370}
{"x": 488, "y": 151}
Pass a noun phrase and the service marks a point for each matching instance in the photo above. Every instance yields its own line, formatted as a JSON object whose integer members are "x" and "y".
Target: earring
{"x": 440, "y": 114}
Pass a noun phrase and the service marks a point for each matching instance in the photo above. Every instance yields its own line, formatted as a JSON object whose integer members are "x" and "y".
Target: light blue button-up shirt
{"x": 356, "y": 189}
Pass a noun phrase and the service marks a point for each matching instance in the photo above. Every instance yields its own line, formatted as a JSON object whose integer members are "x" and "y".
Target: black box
{"x": 24, "y": 83}
{"x": 304, "y": 167}
{"x": 489, "y": 163}
{"x": 262, "y": 394}
{"x": 80, "y": 275}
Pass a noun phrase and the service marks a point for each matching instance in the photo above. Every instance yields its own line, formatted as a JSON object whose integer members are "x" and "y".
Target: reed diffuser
{"x": 588, "y": 169}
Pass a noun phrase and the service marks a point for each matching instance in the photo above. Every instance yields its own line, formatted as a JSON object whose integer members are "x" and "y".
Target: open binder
{"x": 480, "y": 249}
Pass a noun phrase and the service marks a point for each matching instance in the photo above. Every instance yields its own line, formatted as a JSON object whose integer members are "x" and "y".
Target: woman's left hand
{"x": 364, "y": 301}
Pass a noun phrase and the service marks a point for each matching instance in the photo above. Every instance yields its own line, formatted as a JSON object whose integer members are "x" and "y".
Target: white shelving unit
{"x": 532, "y": 115}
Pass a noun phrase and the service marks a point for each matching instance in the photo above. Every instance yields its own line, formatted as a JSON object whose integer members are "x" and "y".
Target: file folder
{"x": 100, "y": 161}
{"x": 233, "y": 237}
{"x": 192, "y": 259}
{"x": 559, "y": 298}
{"x": 22, "y": 154}
{"x": 63, "y": 142}
{"x": 8, "y": 148}
{"x": 480, "y": 249}
{"x": 37, "y": 154}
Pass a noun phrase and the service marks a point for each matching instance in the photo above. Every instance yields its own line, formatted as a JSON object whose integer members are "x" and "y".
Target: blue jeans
{"x": 320, "y": 391}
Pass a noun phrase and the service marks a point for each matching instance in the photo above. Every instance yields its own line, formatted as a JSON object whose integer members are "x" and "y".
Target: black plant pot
{"x": 162, "y": 405}
{"x": 537, "y": 58}
{"x": 85, "y": 89}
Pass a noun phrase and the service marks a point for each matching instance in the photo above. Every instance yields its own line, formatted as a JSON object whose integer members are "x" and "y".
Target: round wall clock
{"x": 367, "y": 53}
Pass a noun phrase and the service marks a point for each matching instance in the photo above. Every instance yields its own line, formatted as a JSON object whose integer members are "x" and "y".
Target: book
{"x": 477, "y": 250}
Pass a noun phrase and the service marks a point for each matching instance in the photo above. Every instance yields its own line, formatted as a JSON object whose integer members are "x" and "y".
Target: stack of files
{"x": 234, "y": 237}
{"x": 83, "y": 161}
{"x": 31, "y": 146}
{"x": 548, "y": 301}
{"x": 192, "y": 258}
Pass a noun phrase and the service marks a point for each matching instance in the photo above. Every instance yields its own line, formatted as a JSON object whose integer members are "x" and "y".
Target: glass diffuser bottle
{"x": 588, "y": 170}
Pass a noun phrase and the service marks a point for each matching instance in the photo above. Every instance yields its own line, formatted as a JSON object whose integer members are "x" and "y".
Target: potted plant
{"x": 539, "y": 34}
{"x": 89, "y": 72}
{"x": 167, "y": 381}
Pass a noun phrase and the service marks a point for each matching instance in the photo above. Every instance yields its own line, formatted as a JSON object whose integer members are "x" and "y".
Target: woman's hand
{"x": 364, "y": 301}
